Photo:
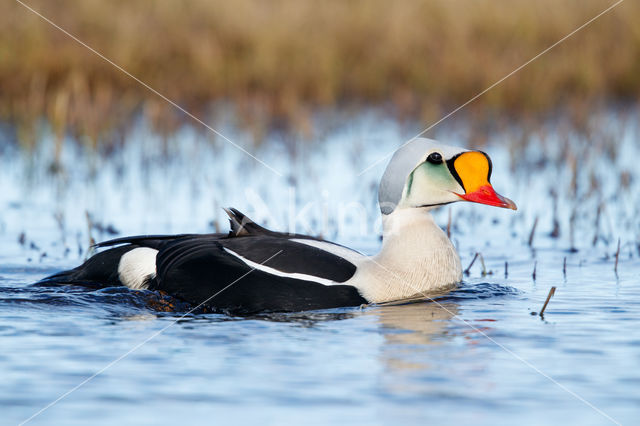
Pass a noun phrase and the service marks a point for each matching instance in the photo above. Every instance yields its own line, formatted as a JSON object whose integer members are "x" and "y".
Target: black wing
{"x": 151, "y": 241}
{"x": 201, "y": 271}
{"x": 293, "y": 257}
{"x": 195, "y": 267}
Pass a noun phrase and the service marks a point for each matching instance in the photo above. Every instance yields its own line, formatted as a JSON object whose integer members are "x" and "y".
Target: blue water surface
{"x": 479, "y": 354}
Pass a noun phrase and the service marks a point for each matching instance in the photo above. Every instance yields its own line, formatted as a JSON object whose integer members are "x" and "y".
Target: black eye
{"x": 434, "y": 158}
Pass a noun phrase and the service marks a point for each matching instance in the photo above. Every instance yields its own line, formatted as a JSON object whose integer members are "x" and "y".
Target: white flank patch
{"x": 343, "y": 252}
{"x": 137, "y": 266}
{"x": 273, "y": 271}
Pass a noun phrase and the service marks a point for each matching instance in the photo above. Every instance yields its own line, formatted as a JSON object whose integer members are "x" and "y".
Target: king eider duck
{"x": 252, "y": 269}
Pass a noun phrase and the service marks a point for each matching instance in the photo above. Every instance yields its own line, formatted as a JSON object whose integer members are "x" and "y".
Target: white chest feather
{"x": 416, "y": 259}
{"x": 137, "y": 267}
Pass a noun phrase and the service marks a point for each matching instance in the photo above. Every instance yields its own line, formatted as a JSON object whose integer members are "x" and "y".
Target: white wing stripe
{"x": 343, "y": 252}
{"x": 273, "y": 271}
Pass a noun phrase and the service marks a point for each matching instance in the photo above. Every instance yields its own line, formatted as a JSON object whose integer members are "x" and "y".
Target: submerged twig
{"x": 552, "y": 291}
{"x": 89, "y": 228}
{"x": 535, "y": 267}
{"x": 596, "y": 235}
{"x": 478, "y": 255}
{"x": 555, "y": 232}
{"x": 615, "y": 268}
{"x": 215, "y": 223}
{"x": 506, "y": 269}
{"x": 22, "y": 238}
{"x": 533, "y": 231}
{"x": 466, "y": 271}
{"x": 484, "y": 269}
{"x": 92, "y": 242}
{"x": 572, "y": 224}
{"x": 564, "y": 267}
{"x": 59, "y": 218}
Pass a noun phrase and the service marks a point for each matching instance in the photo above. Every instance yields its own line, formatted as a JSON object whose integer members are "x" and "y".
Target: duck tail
{"x": 242, "y": 225}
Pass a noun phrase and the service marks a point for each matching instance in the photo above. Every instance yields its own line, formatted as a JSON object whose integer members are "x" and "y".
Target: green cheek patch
{"x": 434, "y": 174}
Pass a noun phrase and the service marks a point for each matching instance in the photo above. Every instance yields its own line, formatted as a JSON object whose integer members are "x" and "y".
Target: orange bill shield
{"x": 472, "y": 170}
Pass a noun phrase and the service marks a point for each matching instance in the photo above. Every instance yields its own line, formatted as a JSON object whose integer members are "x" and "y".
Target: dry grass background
{"x": 279, "y": 60}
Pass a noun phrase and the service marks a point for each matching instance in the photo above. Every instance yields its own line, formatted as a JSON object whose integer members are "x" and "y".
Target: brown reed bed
{"x": 277, "y": 61}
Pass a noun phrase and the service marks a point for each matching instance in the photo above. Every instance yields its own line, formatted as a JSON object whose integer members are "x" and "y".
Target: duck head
{"x": 425, "y": 174}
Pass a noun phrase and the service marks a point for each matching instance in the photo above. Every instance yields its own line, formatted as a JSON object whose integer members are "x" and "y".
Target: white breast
{"x": 416, "y": 259}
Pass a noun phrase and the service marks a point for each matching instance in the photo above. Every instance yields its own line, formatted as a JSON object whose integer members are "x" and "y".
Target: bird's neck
{"x": 416, "y": 258}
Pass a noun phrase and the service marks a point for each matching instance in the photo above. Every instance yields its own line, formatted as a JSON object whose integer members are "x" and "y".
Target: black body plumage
{"x": 208, "y": 270}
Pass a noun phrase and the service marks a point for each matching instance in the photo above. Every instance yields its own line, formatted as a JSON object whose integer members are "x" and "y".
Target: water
{"x": 475, "y": 355}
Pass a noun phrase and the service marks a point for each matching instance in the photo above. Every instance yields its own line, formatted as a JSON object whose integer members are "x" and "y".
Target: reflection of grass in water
{"x": 277, "y": 59}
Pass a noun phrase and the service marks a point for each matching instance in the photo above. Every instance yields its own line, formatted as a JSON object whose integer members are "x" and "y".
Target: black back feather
{"x": 195, "y": 267}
